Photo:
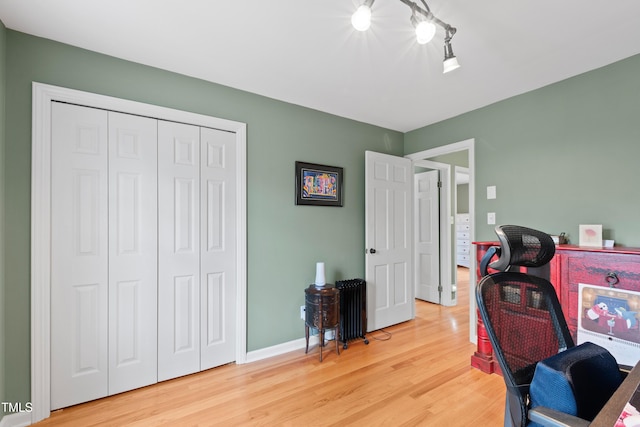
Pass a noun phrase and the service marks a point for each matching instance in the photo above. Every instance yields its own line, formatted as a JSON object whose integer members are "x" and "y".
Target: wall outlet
{"x": 302, "y": 312}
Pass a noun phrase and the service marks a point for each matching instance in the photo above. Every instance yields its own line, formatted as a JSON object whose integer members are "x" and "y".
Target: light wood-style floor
{"x": 419, "y": 374}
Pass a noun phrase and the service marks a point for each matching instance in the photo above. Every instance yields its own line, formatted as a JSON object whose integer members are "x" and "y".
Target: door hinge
{"x": 439, "y": 184}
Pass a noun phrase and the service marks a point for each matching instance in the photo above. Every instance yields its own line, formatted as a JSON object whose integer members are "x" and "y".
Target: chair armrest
{"x": 486, "y": 259}
{"x": 551, "y": 418}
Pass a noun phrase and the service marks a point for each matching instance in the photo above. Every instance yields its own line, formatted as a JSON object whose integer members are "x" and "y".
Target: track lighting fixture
{"x": 424, "y": 22}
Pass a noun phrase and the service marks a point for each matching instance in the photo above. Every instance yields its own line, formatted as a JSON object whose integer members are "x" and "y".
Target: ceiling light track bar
{"x": 429, "y": 16}
{"x": 424, "y": 22}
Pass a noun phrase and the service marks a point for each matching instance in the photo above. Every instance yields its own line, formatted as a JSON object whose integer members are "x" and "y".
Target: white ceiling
{"x": 305, "y": 51}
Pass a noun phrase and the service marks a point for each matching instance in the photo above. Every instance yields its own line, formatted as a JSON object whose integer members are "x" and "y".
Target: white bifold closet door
{"x": 197, "y": 247}
{"x": 104, "y": 254}
{"x": 179, "y": 250}
{"x": 143, "y": 273}
{"x": 218, "y": 282}
{"x": 133, "y": 252}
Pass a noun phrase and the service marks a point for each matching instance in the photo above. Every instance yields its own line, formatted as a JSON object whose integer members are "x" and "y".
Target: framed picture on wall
{"x": 318, "y": 185}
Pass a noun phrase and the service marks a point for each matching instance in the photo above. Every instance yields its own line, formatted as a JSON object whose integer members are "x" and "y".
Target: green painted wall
{"x": 560, "y": 156}
{"x": 458, "y": 158}
{"x": 463, "y": 198}
{"x": 284, "y": 240}
{"x": 3, "y": 322}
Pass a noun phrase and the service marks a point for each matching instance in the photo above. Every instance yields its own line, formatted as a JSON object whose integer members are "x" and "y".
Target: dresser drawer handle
{"x": 612, "y": 279}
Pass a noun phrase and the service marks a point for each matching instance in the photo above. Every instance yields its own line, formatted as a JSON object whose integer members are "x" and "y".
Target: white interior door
{"x": 218, "y": 248}
{"x": 427, "y": 221}
{"x": 197, "y": 251}
{"x": 104, "y": 257}
{"x": 71, "y": 218}
{"x": 144, "y": 251}
{"x": 79, "y": 238}
{"x": 133, "y": 252}
{"x": 178, "y": 249}
{"x": 389, "y": 240}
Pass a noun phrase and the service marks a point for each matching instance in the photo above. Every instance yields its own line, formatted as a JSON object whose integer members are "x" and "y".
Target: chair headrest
{"x": 522, "y": 246}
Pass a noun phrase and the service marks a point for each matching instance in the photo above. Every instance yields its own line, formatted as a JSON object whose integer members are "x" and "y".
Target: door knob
{"x": 372, "y": 251}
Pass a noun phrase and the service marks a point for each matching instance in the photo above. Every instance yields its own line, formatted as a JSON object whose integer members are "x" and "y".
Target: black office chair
{"x": 548, "y": 377}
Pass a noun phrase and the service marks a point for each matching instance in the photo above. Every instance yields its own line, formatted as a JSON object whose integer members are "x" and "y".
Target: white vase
{"x": 320, "y": 280}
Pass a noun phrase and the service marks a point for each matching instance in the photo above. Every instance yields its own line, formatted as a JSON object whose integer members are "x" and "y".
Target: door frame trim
{"x": 42, "y": 97}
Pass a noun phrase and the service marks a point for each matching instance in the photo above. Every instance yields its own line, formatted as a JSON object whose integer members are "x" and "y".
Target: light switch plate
{"x": 491, "y": 192}
{"x": 491, "y": 218}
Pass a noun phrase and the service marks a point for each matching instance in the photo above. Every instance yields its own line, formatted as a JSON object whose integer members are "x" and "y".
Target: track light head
{"x": 450, "y": 61}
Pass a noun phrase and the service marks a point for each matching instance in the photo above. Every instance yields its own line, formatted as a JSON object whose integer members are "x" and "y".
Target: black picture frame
{"x": 318, "y": 185}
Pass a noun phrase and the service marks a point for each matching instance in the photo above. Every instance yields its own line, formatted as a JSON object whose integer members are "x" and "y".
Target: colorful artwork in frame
{"x": 318, "y": 185}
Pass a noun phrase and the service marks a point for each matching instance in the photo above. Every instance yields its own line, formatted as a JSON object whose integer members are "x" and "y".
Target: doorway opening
{"x": 454, "y": 162}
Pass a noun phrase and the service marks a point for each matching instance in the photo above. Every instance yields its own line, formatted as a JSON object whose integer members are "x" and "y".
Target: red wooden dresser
{"x": 617, "y": 267}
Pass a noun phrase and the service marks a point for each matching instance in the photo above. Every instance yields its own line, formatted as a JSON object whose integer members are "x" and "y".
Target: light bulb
{"x": 425, "y": 31}
{"x": 361, "y": 19}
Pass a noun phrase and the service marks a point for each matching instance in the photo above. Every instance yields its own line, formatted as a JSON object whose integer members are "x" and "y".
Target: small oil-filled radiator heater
{"x": 353, "y": 310}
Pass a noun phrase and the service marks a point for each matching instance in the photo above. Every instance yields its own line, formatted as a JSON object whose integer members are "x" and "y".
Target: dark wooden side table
{"x": 322, "y": 312}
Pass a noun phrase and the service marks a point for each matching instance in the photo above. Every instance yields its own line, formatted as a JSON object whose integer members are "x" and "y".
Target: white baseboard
{"x": 21, "y": 419}
{"x": 277, "y": 350}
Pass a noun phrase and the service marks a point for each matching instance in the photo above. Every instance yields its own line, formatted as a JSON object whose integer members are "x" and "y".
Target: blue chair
{"x": 550, "y": 381}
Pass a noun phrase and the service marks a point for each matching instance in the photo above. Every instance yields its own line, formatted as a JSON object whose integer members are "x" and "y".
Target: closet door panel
{"x": 79, "y": 240}
{"x": 179, "y": 250}
{"x": 133, "y": 246}
{"x": 218, "y": 248}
